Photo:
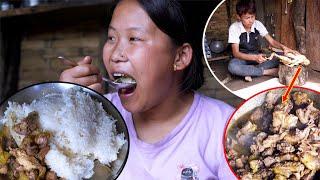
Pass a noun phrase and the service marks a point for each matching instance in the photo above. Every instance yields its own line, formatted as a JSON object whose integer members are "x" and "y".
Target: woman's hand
{"x": 85, "y": 74}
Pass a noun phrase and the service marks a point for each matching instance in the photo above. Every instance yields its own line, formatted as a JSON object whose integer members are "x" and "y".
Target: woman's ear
{"x": 183, "y": 57}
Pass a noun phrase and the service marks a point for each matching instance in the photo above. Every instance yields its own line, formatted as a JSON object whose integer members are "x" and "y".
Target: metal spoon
{"x": 115, "y": 85}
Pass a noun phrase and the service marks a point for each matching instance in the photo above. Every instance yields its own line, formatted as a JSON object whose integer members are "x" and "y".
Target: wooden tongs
{"x": 289, "y": 59}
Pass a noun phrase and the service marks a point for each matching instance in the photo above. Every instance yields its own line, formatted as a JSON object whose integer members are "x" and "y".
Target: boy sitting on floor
{"x": 244, "y": 38}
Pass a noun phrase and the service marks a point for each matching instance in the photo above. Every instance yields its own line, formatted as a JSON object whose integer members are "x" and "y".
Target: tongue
{"x": 127, "y": 90}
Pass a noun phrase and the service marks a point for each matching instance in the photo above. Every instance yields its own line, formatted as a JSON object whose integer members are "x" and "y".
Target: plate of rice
{"x": 59, "y": 130}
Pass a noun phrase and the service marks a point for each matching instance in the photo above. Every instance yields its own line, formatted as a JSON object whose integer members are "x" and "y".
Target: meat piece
{"x": 297, "y": 135}
{"x": 28, "y": 124}
{"x": 256, "y": 115}
{"x": 28, "y": 162}
{"x": 291, "y": 59}
{"x": 254, "y": 148}
{"x": 255, "y": 165}
{"x": 247, "y": 128}
{"x": 232, "y": 154}
{"x": 239, "y": 163}
{"x": 51, "y": 176}
{"x": 10, "y": 143}
{"x": 308, "y": 174}
{"x": 288, "y": 168}
{"x": 307, "y": 147}
{"x": 310, "y": 161}
{"x": 3, "y": 169}
{"x": 246, "y": 133}
{"x": 285, "y": 147}
{"x": 29, "y": 146}
{"x": 270, "y": 141}
{"x": 308, "y": 114}
{"x": 42, "y": 139}
{"x": 260, "y": 137}
{"x": 287, "y": 157}
{"x": 15, "y": 167}
{"x": 314, "y": 134}
{"x": 268, "y": 161}
{"x": 282, "y": 121}
{"x": 42, "y": 153}
{"x": 279, "y": 177}
{"x": 285, "y": 106}
{"x": 247, "y": 176}
{"x": 33, "y": 174}
{"x": 271, "y": 98}
{"x": 300, "y": 98}
{"x": 268, "y": 152}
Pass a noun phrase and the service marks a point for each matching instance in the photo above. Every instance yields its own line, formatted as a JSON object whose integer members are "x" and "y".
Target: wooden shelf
{"x": 29, "y": 10}
{"x": 50, "y": 7}
{"x": 217, "y": 58}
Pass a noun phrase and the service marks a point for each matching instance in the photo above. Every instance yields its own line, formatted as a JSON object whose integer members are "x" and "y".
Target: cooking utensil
{"x": 216, "y": 46}
{"x": 113, "y": 84}
{"x": 37, "y": 91}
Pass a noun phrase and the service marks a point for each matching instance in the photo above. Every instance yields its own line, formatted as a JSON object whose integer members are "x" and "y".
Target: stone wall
{"x": 40, "y": 49}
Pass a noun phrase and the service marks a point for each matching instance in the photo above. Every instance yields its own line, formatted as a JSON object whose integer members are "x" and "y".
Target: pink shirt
{"x": 192, "y": 149}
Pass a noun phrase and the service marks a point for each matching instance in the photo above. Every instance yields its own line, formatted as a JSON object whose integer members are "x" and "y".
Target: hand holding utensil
{"x": 113, "y": 84}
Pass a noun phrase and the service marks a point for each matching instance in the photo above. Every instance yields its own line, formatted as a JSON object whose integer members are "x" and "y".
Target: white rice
{"x": 79, "y": 125}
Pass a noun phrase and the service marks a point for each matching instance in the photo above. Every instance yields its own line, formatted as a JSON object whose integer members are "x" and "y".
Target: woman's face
{"x": 137, "y": 48}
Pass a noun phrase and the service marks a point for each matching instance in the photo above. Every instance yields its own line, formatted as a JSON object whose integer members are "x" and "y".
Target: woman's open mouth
{"x": 125, "y": 78}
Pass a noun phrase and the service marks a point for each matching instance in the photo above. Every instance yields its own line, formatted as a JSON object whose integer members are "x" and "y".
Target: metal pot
{"x": 37, "y": 91}
{"x": 217, "y": 46}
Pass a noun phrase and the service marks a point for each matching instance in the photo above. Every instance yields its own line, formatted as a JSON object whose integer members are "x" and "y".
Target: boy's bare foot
{"x": 248, "y": 78}
{"x": 271, "y": 72}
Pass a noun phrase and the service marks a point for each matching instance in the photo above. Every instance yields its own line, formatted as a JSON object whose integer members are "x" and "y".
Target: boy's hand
{"x": 85, "y": 74}
{"x": 260, "y": 58}
{"x": 287, "y": 50}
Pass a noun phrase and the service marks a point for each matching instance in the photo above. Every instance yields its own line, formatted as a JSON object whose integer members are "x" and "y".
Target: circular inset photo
{"x": 275, "y": 134}
{"x": 58, "y": 130}
{"x": 250, "y": 46}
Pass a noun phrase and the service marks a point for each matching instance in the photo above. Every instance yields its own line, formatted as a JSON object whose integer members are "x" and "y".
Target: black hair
{"x": 246, "y": 6}
{"x": 169, "y": 18}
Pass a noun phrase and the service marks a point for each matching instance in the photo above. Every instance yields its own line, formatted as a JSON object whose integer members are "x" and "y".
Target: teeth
{"x": 118, "y": 74}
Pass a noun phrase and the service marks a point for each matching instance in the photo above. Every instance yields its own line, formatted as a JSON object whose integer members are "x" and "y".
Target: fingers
{"x": 88, "y": 80}
{"x": 97, "y": 87}
{"x": 85, "y": 60}
{"x": 85, "y": 74}
{"x": 84, "y": 70}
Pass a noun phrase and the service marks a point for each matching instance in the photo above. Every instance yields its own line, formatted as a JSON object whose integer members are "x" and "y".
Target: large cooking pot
{"x": 37, "y": 91}
{"x": 217, "y": 46}
{"x": 241, "y": 117}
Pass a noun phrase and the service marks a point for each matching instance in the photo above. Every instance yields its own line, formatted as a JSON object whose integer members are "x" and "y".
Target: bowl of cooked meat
{"x": 267, "y": 138}
{"x": 58, "y": 130}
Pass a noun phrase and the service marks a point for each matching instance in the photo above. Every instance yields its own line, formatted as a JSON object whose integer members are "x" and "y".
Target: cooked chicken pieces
{"x": 289, "y": 148}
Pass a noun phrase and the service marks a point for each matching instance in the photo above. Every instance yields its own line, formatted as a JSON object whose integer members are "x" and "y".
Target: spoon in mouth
{"x": 116, "y": 85}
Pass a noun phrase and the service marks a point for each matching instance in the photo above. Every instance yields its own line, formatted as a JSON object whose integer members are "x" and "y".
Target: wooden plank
{"x": 278, "y": 17}
{"x": 47, "y": 7}
{"x": 287, "y": 36}
{"x": 218, "y": 58}
{"x": 313, "y": 33}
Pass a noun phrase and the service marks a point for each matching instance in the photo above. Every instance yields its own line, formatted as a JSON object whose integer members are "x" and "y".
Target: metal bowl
{"x": 37, "y": 91}
{"x": 217, "y": 46}
{"x": 241, "y": 115}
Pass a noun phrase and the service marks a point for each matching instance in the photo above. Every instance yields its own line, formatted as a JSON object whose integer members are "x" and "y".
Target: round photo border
{"x": 204, "y": 52}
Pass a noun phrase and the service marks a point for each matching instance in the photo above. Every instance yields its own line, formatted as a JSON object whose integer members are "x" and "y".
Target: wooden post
{"x": 286, "y": 74}
{"x": 9, "y": 56}
{"x": 313, "y": 33}
{"x": 299, "y": 24}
